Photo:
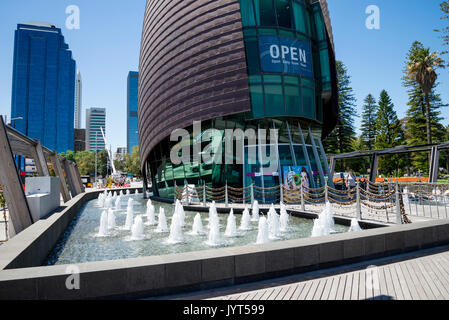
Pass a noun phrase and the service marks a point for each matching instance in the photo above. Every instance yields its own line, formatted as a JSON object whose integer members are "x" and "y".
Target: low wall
{"x": 168, "y": 274}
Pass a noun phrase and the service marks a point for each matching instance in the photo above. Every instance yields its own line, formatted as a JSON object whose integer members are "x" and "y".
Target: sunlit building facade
{"x": 248, "y": 64}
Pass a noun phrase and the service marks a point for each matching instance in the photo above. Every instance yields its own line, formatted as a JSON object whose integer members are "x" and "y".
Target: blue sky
{"x": 107, "y": 46}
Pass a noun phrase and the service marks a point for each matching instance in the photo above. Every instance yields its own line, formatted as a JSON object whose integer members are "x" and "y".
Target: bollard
{"x": 303, "y": 207}
{"x": 398, "y": 206}
{"x": 252, "y": 194}
{"x": 204, "y": 195}
{"x": 226, "y": 195}
{"x": 281, "y": 190}
{"x": 358, "y": 207}
{"x": 174, "y": 192}
{"x": 187, "y": 194}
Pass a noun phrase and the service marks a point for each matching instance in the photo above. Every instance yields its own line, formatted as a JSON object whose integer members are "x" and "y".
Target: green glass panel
{"x": 283, "y": 13}
{"x": 247, "y": 11}
{"x": 274, "y": 100}
{"x": 255, "y": 79}
{"x": 299, "y": 14}
{"x": 257, "y": 104}
{"x": 292, "y": 100}
{"x": 285, "y": 33}
{"x": 308, "y": 102}
{"x": 266, "y": 12}
{"x": 252, "y": 55}
{"x": 272, "y": 78}
{"x": 325, "y": 68}
{"x": 249, "y": 32}
{"x": 266, "y": 31}
{"x": 320, "y": 26}
{"x": 307, "y": 82}
{"x": 291, "y": 80}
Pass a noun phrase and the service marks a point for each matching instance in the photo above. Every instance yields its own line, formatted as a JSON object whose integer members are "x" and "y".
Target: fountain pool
{"x": 81, "y": 243}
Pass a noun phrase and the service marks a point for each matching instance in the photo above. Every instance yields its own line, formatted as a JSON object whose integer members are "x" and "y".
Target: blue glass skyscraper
{"x": 132, "y": 138}
{"x": 43, "y": 86}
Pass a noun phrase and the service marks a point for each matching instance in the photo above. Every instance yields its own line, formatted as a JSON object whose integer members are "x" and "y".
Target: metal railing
{"x": 384, "y": 202}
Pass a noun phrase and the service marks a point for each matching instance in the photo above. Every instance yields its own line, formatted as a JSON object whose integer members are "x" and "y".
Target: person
{"x": 304, "y": 179}
{"x": 350, "y": 180}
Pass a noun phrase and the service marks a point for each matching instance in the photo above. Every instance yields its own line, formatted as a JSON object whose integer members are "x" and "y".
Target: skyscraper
{"x": 95, "y": 119}
{"x": 132, "y": 138}
{"x": 43, "y": 86}
{"x": 78, "y": 100}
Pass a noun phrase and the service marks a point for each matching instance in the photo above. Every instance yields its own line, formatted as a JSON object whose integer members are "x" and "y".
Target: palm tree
{"x": 422, "y": 70}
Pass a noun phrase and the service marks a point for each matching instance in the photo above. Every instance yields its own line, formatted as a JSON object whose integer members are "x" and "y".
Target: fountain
{"x": 283, "y": 219}
{"x": 262, "y": 234}
{"x": 180, "y": 209}
{"x": 273, "y": 223}
{"x": 176, "y": 228}
{"x": 100, "y": 200}
{"x": 354, "y": 226}
{"x": 151, "y": 218}
{"x": 213, "y": 216}
{"x": 324, "y": 225}
{"x": 214, "y": 232}
{"x": 103, "y": 231}
{"x": 111, "y": 219}
{"x": 121, "y": 192}
{"x": 231, "y": 226}
{"x": 108, "y": 202}
{"x": 162, "y": 222}
{"x": 255, "y": 211}
{"x": 137, "y": 229}
{"x": 245, "y": 222}
{"x": 127, "y": 192}
{"x": 129, "y": 216}
{"x": 117, "y": 203}
{"x": 137, "y": 191}
{"x": 197, "y": 228}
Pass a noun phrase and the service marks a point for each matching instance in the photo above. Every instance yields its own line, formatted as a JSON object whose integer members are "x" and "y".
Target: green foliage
{"x": 416, "y": 121}
{"x": 341, "y": 139}
{"x": 389, "y": 134}
{"x": 444, "y": 6}
{"x": 132, "y": 162}
{"x": 368, "y": 137}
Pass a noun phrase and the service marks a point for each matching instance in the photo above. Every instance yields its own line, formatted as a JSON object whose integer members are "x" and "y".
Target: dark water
{"x": 80, "y": 244}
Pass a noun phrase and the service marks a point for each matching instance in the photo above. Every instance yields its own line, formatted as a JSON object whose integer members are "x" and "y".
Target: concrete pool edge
{"x": 168, "y": 274}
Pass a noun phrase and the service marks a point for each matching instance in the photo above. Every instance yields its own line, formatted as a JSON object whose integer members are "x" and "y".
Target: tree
{"x": 341, "y": 139}
{"x": 368, "y": 136}
{"x": 102, "y": 163}
{"x": 416, "y": 127}
{"x": 421, "y": 68}
{"x": 389, "y": 133}
{"x": 132, "y": 162}
{"x": 444, "y": 6}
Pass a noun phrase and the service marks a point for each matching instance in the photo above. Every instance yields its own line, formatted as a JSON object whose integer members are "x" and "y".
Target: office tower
{"x": 80, "y": 140}
{"x": 43, "y": 86}
{"x": 78, "y": 100}
{"x": 132, "y": 138}
{"x": 95, "y": 119}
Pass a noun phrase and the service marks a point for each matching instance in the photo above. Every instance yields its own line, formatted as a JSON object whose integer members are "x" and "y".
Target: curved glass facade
{"x": 285, "y": 92}
{"x": 288, "y": 63}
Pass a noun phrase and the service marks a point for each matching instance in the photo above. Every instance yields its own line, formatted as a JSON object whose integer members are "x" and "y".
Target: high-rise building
{"x": 78, "y": 100}
{"x": 239, "y": 64}
{"x": 95, "y": 119}
{"x": 132, "y": 138}
{"x": 80, "y": 140}
{"x": 43, "y": 86}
